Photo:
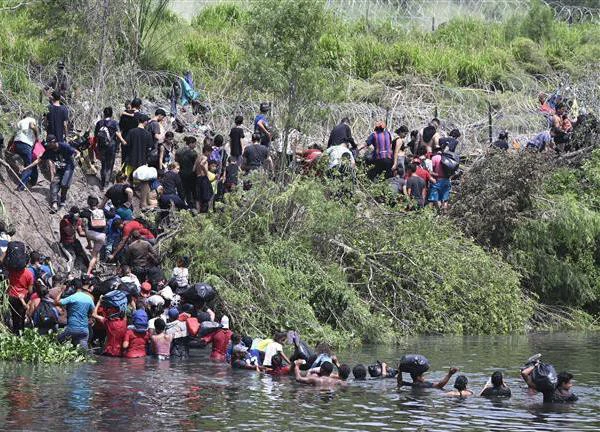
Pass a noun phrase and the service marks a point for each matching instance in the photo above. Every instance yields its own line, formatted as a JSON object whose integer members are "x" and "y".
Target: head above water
{"x": 497, "y": 379}
{"x": 159, "y": 325}
{"x": 326, "y": 369}
{"x": 564, "y": 381}
{"x": 344, "y": 371}
{"x": 360, "y": 372}
{"x": 461, "y": 382}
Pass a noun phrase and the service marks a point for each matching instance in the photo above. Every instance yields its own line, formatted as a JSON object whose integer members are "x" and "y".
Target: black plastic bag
{"x": 414, "y": 364}
{"x": 199, "y": 294}
{"x": 544, "y": 377}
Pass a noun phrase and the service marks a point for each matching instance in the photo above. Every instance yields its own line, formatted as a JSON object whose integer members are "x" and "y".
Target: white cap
{"x": 225, "y": 322}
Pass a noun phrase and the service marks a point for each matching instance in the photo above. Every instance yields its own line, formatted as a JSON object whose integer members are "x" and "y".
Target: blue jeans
{"x": 76, "y": 336}
{"x": 61, "y": 183}
{"x": 26, "y": 153}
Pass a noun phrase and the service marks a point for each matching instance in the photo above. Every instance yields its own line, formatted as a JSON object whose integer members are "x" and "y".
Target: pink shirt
{"x": 438, "y": 168}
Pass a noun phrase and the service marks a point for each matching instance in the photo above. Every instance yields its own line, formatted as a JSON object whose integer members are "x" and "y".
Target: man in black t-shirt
{"x": 186, "y": 158}
{"x": 256, "y": 156}
{"x": 57, "y": 118}
{"x": 119, "y": 193}
{"x": 341, "y": 134}
{"x": 236, "y": 135}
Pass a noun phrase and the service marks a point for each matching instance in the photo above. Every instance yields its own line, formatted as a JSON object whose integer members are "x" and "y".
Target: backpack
{"x": 153, "y": 158}
{"x": 103, "y": 137}
{"x": 16, "y": 256}
{"x": 544, "y": 377}
{"x": 45, "y": 316}
{"x": 450, "y": 164}
{"x": 193, "y": 326}
{"x": 428, "y": 133}
{"x": 115, "y": 299}
{"x": 449, "y": 143}
{"x": 97, "y": 219}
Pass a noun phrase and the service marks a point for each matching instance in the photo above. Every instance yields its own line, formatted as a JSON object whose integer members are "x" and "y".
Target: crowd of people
{"x": 138, "y": 311}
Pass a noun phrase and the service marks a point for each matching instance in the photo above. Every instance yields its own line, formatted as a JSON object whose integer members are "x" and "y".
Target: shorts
{"x": 97, "y": 238}
{"x": 440, "y": 191}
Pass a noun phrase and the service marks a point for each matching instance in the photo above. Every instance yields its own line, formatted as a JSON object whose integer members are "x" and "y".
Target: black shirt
{"x": 56, "y": 118}
{"x": 171, "y": 183}
{"x": 501, "y": 391}
{"x": 236, "y": 135}
{"x": 139, "y": 141}
{"x": 340, "y": 134}
{"x": 416, "y": 185}
{"x": 186, "y": 158}
{"x": 128, "y": 122}
{"x": 117, "y": 195}
{"x": 255, "y": 156}
{"x": 231, "y": 173}
{"x": 501, "y": 144}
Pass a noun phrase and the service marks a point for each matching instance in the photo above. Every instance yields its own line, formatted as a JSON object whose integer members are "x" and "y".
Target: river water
{"x": 196, "y": 394}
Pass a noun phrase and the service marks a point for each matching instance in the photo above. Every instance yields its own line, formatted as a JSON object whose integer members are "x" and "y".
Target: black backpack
{"x": 16, "y": 256}
{"x": 45, "y": 316}
{"x": 103, "y": 137}
{"x": 428, "y": 133}
{"x": 450, "y": 164}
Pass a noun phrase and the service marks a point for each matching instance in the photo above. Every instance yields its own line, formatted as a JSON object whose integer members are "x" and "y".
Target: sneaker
{"x": 61, "y": 205}
{"x": 54, "y": 208}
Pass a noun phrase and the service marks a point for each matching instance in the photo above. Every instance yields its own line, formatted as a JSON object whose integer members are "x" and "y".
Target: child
{"x": 180, "y": 272}
{"x": 204, "y": 191}
{"x": 136, "y": 338}
{"x": 275, "y": 347}
{"x": 213, "y": 168}
{"x": 161, "y": 342}
{"x": 231, "y": 174}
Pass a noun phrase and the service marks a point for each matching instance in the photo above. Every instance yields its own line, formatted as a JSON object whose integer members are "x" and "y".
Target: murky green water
{"x": 145, "y": 394}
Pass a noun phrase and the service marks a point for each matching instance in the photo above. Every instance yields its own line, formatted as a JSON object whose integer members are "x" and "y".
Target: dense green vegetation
{"x": 524, "y": 231}
{"x": 31, "y": 347}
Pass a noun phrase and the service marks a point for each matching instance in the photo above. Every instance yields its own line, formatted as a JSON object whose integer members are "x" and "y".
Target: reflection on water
{"x": 116, "y": 394}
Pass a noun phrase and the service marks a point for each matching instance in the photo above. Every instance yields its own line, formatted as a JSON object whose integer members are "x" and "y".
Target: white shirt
{"x": 24, "y": 132}
{"x": 181, "y": 276}
{"x": 131, "y": 278}
{"x": 272, "y": 349}
{"x": 335, "y": 154}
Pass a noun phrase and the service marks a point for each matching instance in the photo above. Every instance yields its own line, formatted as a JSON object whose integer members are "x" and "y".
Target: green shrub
{"x": 297, "y": 257}
{"x": 31, "y": 347}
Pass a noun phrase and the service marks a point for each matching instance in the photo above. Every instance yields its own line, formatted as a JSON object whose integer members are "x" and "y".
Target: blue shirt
{"x": 257, "y": 119}
{"x": 62, "y": 155}
{"x": 541, "y": 140}
{"x": 79, "y": 307}
{"x": 43, "y": 270}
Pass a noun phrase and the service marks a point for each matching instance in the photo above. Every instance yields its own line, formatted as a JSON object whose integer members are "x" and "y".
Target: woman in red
{"x": 220, "y": 340}
{"x": 136, "y": 338}
{"x": 115, "y": 324}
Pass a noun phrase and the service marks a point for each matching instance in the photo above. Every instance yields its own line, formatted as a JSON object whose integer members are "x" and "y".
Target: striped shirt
{"x": 382, "y": 141}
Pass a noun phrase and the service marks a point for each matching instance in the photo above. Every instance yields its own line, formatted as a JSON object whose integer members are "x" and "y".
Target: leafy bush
{"x": 31, "y": 347}
{"x": 347, "y": 271}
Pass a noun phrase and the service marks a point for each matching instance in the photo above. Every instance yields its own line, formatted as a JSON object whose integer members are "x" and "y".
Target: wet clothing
{"x": 540, "y": 141}
{"x": 19, "y": 282}
{"x": 220, "y": 341}
{"x": 107, "y": 152}
{"x": 172, "y": 185}
{"x": 501, "y": 391}
{"x": 137, "y": 343}
{"x": 264, "y": 137}
{"x": 140, "y": 255}
{"x": 79, "y": 308}
{"x": 115, "y": 334}
{"x": 417, "y": 186}
{"x": 558, "y": 396}
{"x": 161, "y": 344}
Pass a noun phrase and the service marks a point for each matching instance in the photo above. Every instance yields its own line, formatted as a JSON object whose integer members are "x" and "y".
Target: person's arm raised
{"x": 442, "y": 383}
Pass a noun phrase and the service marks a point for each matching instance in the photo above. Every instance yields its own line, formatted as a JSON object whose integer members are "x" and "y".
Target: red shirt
{"x": 68, "y": 231}
{"x": 220, "y": 341}
{"x": 115, "y": 334}
{"x": 423, "y": 173}
{"x": 19, "y": 282}
{"x": 133, "y": 225}
{"x": 284, "y": 370}
{"x": 137, "y": 344}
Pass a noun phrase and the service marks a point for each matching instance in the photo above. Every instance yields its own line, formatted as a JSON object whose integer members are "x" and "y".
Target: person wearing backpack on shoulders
{"x": 219, "y": 156}
{"x": 20, "y": 283}
{"x": 106, "y": 134}
{"x": 95, "y": 230}
{"x": 39, "y": 269}
{"x": 439, "y": 194}
{"x": 41, "y": 309}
